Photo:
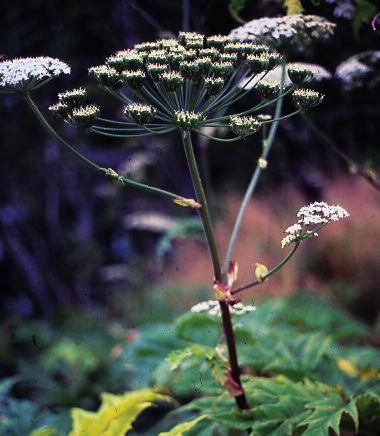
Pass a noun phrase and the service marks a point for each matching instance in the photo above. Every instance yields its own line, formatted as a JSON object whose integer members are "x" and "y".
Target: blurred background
{"x": 86, "y": 265}
{"x": 71, "y": 240}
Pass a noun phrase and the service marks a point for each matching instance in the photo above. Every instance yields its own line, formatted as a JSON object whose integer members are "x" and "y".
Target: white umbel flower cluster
{"x": 28, "y": 73}
{"x": 290, "y": 31}
{"x": 359, "y": 70}
{"x": 319, "y": 74}
{"x": 312, "y": 218}
{"x": 212, "y": 308}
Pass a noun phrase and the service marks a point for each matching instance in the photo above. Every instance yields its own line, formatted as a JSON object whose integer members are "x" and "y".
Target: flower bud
{"x": 274, "y": 59}
{"x": 306, "y": 98}
{"x": 222, "y": 69}
{"x": 298, "y": 74}
{"x": 230, "y": 57}
{"x": 244, "y": 126}
{"x": 140, "y": 113}
{"x": 156, "y": 70}
{"x": 106, "y": 76}
{"x": 259, "y": 49}
{"x": 268, "y": 90}
{"x": 232, "y": 274}
{"x": 211, "y": 53}
{"x": 260, "y": 271}
{"x": 72, "y": 98}
{"x": 190, "y": 70}
{"x": 147, "y": 46}
{"x": 125, "y": 60}
{"x": 59, "y": 110}
{"x": 187, "y": 119}
{"x": 189, "y": 55}
{"x": 194, "y": 44}
{"x": 262, "y": 163}
{"x": 214, "y": 85}
{"x": 242, "y": 49}
{"x": 175, "y": 59}
{"x": 157, "y": 57}
{"x": 217, "y": 41}
{"x": 187, "y": 202}
{"x": 186, "y": 38}
{"x": 171, "y": 80}
{"x": 135, "y": 79}
{"x": 85, "y": 116}
{"x": 258, "y": 63}
{"x": 168, "y": 44}
{"x": 204, "y": 65}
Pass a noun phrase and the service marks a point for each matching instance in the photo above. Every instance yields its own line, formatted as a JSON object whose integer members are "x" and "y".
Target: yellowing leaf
{"x": 347, "y": 367}
{"x": 115, "y": 415}
{"x": 260, "y": 271}
{"x": 179, "y": 429}
{"x": 293, "y": 7}
{"x": 187, "y": 202}
{"x": 370, "y": 373}
{"x": 44, "y": 431}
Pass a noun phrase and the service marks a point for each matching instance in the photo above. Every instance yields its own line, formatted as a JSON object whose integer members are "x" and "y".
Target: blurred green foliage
{"x": 308, "y": 368}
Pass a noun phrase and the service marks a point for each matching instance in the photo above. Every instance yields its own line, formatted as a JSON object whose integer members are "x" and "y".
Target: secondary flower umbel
{"x": 311, "y": 219}
{"x": 26, "y": 74}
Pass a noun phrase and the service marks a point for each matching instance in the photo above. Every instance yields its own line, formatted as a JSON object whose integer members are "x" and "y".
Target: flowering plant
{"x": 186, "y": 85}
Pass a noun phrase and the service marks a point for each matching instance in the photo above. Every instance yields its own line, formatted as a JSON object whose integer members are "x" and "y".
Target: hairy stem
{"x": 208, "y": 229}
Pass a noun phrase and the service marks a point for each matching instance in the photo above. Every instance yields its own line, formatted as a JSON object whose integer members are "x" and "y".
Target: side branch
{"x": 107, "y": 172}
{"x": 269, "y": 273}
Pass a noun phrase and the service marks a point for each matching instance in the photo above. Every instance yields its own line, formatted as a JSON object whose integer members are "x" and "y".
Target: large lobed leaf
{"x": 116, "y": 413}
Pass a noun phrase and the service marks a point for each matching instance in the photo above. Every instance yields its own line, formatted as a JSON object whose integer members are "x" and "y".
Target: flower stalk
{"x": 123, "y": 180}
{"x": 240, "y": 398}
{"x": 267, "y": 145}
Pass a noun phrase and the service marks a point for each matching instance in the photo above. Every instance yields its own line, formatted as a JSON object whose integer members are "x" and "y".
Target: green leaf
{"x": 296, "y": 356}
{"x": 327, "y": 414}
{"x": 279, "y": 404}
{"x": 235, "y": 7}
{"x": 299, "y": 356}
{"x": 116, "y": 413}
{"x": 199, "y": 328}
{"x": 368, "y": 406}
{"x": 149, "y": 350}
{"x": 180, "y": 429}
{"x": 298, "y": 311}
{"x": 195, "y": 353}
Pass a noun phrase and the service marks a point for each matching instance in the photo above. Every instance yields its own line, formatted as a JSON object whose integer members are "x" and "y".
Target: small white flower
{"x": 27, "y": 73}
{"x": 311, "y": 218}
{"x": 356, "y": 71}
{"x": 290, "y": 31}
{"x": 212, "y": 308}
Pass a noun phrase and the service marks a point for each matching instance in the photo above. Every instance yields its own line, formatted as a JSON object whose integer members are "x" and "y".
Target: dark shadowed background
{"x": 67, "y": 237}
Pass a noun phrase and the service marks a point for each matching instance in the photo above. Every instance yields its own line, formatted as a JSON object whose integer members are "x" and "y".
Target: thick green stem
{"x": 255, "y": 178}
{"x": 201, "y": 198}
{"x": 123, "y": 180}
{"x": 208, "y": 229}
